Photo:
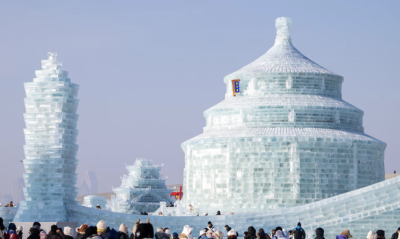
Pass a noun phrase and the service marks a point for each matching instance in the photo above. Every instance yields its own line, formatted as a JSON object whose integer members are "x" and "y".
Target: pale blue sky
{"x": 148, "y": 69}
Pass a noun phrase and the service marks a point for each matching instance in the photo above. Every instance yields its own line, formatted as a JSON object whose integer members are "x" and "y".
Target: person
{"x": 218, "y": 213}
{"x": 123, "y": 232}
{"x": 272, "y": 233}
{"x": 12, "y": 232}
{"x": 285, "y": 233}
{"x": 298, "y": 232}
{"x": 43, "y": 234}
{"x": 344, "y": 235}
{"x": 218, "y": 235}
{"x": 371, "y": 235}
{"x": 11, "y": 204}
{"x": 202, "y": 234}
{"x": 380, "y": 234}
{"x": 160, "y": 234}
{"x": 80, "y": 231}
{"x": 34, "y": 233}
{"x": 19, "y": 231}
{"x": 105, "y": 232}
{"x": 232, "y": 234}
{"x": 69, "y": 233}
{"x": 187, "y": 230}
{"x": 53, "y": 233}
{"x": 171, "y": 205}
{"x": 209, "y": 233}
{"x": 167, "y": 232}
{"x": 262, "y": 235}
{"x": 3, "y": 230}
{"x": 319, "y": 232}
{"x": 211, "y": 227}
{"x": 251, "y": 233}
{"x": 290, "y": 234}
{"x": 98, "y": 206}
{"x": 279, "y": 235}
{"x": 174, "y": 235}
{"x": 396, "y": 234}
{"x": 91, "y": 233}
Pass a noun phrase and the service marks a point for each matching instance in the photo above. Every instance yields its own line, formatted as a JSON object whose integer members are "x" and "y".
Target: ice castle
{"x": 282, "y": 147}
{"x": 141, "y": 190}
{"x": 282, "y": 137}
{"x": 50, "y": 149}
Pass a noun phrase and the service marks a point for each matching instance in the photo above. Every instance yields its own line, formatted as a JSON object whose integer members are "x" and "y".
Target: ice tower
{"x": 141, "y": 190}
{"x": 50, "y": 149}
{"x": 282, "y": 137}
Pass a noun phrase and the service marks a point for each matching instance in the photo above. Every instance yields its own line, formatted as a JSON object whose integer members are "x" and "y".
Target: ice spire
{"x": 52, "y": 55}
{"x": 282, "y": 25}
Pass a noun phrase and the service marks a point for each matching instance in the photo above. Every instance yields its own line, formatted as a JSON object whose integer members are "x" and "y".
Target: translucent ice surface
{"x": 50, "y": 144}
{"x": 286, "y": 139}
{"x": 370, "y": 208}
{"x": 141, "y": 190}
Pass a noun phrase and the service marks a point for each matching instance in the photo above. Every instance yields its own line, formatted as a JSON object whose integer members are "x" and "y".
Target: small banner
{"x": 235, "y": 87}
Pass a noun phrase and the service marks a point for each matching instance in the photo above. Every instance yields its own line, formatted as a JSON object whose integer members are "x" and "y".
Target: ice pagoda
{"x": 50, "y": 145}
{"x": 282, "y": 137}
{"x": 141, "y": 190}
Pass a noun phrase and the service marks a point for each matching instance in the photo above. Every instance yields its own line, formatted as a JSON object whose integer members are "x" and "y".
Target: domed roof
{"x": 283, "y": 57}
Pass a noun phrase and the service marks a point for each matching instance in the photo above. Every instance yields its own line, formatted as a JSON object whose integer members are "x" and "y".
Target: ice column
{"x": 50, "y": 144}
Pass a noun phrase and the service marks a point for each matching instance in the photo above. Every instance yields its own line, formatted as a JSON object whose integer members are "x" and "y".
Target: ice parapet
{"x": 50, "y": 144}
{"x": 94, "y": 200}
{"x": 141, "y": 190}
{"x": 286, "y": 139}
{"x": 371, "y": 208}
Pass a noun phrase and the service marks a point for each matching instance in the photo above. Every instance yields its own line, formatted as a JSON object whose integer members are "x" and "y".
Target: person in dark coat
{"x": 91, "y": 233}
{"x": 105, "y": 232}
{"x": 320, "y": 233}
{"x": 34, "y": 233}
{"x": 298, "y": 232}
{"x": 53, "y": 234}
{"x": 251, "y": 233}
{"x": 380, "y": 234}
{"x": 396, "y": 234}
{"x": 262, "y": 235}
{"x": 123, "y": 232}
{"x": 2, "y": 228}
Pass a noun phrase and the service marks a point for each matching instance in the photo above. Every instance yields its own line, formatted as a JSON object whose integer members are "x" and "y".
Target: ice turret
{"x": 50, "y": 144}
{"x": 287, "y": 138}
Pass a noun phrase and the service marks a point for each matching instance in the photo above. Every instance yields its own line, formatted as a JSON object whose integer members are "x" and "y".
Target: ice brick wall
{"x": 286, "y": 139}
{"x": 370, "y": 208}
{"x": 50, "y": 144}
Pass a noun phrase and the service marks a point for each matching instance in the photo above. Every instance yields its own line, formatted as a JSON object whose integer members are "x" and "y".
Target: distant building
{"x": 17, "y": 191}
{"x": 89, "y": 185}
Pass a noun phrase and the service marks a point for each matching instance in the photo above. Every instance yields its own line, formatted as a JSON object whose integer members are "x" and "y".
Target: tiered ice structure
{"x": 141, "y": 190}
{"x": 286, "y": 139}
{"x": 50, "y": 149}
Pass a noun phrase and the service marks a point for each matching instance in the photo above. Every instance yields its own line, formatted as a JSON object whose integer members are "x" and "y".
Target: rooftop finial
{"x": 282, "y": 25}
{"x": 52, "y": 55}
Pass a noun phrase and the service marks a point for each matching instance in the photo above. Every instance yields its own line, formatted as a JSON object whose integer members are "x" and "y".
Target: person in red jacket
{"x": 11, "y": 232}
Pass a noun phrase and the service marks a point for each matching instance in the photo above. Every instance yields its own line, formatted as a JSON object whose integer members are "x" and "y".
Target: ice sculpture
{"x": 50, "y": 145}
{"x": 286, "y": 139}
{"x": 141, "y": 190}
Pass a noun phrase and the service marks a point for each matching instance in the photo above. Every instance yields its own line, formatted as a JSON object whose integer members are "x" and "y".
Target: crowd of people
{"x": 146, "y": 231}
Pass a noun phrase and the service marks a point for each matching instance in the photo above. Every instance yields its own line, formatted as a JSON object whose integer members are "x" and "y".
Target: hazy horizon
{"x": 148, "y": 70}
